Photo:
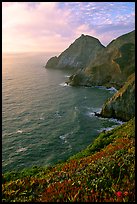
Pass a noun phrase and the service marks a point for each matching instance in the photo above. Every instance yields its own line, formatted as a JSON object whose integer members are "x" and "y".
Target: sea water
{"x": 44, "y": 120}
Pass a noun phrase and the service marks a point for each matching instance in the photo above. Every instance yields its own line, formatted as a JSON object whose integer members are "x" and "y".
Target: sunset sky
{"x": 53, "y": 26}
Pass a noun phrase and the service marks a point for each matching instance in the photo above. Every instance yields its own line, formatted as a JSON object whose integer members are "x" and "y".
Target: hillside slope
{"x": 103, "y": 172}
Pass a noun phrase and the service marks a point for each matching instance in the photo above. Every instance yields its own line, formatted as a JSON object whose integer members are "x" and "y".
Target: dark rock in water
{"x": 78, "y": 54}
{"x": 97, "y": 114}
{"x": 122, "y": 104}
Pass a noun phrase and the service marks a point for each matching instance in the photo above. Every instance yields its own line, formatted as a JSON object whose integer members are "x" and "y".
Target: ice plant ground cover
{"x": 103, "y": 172}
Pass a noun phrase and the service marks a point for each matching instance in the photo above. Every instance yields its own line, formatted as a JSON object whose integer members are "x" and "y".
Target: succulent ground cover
{"x": 103, "y": 172}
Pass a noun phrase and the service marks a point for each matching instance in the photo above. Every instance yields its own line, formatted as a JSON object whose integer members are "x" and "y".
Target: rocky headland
{"x": 78, "y": 55}
{"x": 96, "y": 65}
{"x": 111, "y": 67}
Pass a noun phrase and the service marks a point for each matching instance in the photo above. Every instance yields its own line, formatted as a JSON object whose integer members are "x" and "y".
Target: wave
{"x": 108, "y": 89}
{"x": 112, "y": 89}
{"x": 107, "y": 129}
{"x": 41, "y": 118}
{"x": 93, "y": 111}
{"x": 19, "y": 131}
{"x": 91, "y": 114}
{"x": 64, "y": 137}
{"x": 64, "y": 84}
{"x": 21, "y": 150}
{"x": 116, "y": 121}
{"x": 97, "y": 110}
{"x": 67, "y": 76}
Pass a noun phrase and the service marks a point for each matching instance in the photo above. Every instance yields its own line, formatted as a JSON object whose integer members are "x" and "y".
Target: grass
{"x": 103, "y": 172}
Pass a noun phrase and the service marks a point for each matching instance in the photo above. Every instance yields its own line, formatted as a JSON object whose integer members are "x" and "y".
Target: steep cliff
{"x": 78, "y": 54}
{"x": 122, "y": 104}
{"x": 94, "y": 64}
{"x": 111, "y": 66}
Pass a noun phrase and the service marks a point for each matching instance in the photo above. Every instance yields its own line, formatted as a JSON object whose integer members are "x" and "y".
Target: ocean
{"x": 44, "y": 121}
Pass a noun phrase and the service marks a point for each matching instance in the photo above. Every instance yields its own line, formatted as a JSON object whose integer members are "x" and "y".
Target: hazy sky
{"x": 53, "y": 26}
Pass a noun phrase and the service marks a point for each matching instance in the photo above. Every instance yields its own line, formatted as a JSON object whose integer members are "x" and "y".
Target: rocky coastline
{"x": 96, "y": 65}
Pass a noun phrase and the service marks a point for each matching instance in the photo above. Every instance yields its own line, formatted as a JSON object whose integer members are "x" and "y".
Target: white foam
{"x": 97, "y": 110}
{"x": 93, "y": 111}
{"x": 76, "y": 108}
{"x": 101, "y": 118}
{"x": 107, "y": 129}
{"x": 41, "y": 118}
{"x": 64, "y": 84}
{"x": 110, "y": 128}
{"x": 108, "y": 89}
{"x": 116, "y": 121}
{"x": 19, "y": 131}
{"x": 91, "y": 114}
{"x": 63, "y": 137}
{"x": 112, "y": 89}
{"x": 21, "y": 150}
{"x": 67, "y": 76}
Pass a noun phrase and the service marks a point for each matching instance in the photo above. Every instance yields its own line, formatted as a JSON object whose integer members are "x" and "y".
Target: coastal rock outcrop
{"x": 122, "y": 104}
{"x": 52, "y": 62}
{"x": 111, "y": 66}
{"x": 96, "y": 65}
{"x": 78, "y": 55}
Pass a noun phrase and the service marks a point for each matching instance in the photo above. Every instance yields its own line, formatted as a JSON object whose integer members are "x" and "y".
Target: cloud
{"x": 53, "y": 26}
{"x": 39, "y": 27}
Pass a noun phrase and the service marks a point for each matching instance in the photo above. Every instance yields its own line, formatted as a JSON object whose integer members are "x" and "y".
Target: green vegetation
{"x": 111, "y": 66}
{"x": 128, "y": 54}
{"x": 103, "y": 172}
{"x": 105, "y": 138}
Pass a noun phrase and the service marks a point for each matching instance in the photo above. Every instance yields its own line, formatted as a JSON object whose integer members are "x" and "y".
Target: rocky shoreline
{"x": 96, "y": 65}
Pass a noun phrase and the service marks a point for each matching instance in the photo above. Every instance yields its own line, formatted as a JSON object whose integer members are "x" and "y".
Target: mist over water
{"x": 44, "y": 120}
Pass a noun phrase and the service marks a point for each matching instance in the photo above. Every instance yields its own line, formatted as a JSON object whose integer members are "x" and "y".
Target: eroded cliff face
{"x": 78, "y": 54}
{"x": 122, "y": 104}
{"x": 111, "y": 66}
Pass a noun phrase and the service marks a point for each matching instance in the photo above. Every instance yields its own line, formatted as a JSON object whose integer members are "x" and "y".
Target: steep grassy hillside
{"x": 103, "y": 172}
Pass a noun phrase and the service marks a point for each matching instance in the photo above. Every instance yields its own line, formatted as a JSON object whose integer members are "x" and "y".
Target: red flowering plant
{"x": 107, "y": 175}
